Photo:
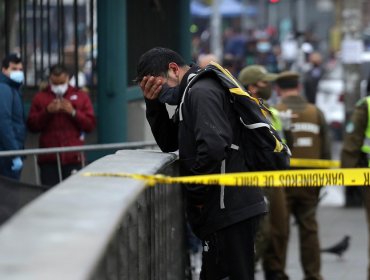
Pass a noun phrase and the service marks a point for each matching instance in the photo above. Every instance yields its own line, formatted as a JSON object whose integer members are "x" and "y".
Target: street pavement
{"x": 334, "y": 223}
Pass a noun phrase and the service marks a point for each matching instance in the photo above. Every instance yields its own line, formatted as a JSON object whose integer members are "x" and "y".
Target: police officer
{"x": 274, "y": 227}
{"x": 356, "y": 146}
{"x": 311, "y": 140}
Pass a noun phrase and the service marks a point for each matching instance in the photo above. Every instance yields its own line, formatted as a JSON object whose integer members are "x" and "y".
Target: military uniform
{"x": 311, "y": 141}
{"x": 274, "y": 226}
{"x": 354, "y": 151}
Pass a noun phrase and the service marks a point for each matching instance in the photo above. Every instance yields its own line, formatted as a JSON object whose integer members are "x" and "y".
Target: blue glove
{"x": 17, "y": 164}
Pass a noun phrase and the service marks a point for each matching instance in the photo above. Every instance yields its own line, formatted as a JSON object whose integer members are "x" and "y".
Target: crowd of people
{"x": 60, "y": 113}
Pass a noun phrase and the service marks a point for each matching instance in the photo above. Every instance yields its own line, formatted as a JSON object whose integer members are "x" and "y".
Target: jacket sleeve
{"x": 212, "y": 129}
{"x": 325, "y": 136}
{"x": 38, "y": 116}
{"x": 85, "y": 117}
{"x": 164, "y": 129}
{"x": 7, "y": 135}
{"x": 353, "y": 138}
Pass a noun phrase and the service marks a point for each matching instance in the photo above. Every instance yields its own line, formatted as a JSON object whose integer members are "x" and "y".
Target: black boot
{"x": 274, "y": 275}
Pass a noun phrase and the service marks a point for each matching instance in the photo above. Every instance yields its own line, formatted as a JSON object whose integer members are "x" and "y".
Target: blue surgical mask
{"x": 170, "y": 95}
{"x": 263, "y": 47}
{"x": 17, "y": 76}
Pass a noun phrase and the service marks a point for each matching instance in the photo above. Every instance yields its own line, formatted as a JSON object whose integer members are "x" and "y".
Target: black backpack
{"x": 262, "y": 146}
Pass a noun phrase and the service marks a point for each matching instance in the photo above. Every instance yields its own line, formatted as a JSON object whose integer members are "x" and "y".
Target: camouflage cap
{"x": 255, "y": 73}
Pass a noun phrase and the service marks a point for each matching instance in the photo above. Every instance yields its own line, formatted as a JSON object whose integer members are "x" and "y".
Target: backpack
{"x": 261, "y": 144}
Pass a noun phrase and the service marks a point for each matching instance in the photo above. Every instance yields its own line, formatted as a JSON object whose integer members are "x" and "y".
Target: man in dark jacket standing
{"x": 12, "y": 123}
{"x": 205, "y": 132}
{"x": 62, "y": 114}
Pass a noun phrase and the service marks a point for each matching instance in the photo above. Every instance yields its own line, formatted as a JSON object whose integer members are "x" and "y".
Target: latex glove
{"x": 286, "y": 119}
{"x": 17, "y": 164}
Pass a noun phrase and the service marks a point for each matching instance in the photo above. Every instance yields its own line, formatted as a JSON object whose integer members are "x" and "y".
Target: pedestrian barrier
{"x": 100, "y": 228}
{"x": 34, "y": 153}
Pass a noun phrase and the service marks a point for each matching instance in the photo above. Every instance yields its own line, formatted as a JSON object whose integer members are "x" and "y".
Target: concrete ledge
{"x": 64, "y": 233}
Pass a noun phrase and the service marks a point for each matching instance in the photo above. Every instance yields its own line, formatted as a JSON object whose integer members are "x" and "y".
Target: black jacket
{"x": 204, "y": 138}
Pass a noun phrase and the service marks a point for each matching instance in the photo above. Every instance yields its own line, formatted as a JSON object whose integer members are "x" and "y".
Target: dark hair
{"x": 57, "y": 70}
{"x": 11, "y": 58}
{"x": 155, "y": 62}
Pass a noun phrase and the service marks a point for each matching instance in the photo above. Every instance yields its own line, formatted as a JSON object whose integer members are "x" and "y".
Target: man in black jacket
{"x": 205, "y": 132}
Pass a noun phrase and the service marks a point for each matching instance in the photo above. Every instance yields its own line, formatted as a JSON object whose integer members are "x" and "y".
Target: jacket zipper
{"x": 222, "y": 190}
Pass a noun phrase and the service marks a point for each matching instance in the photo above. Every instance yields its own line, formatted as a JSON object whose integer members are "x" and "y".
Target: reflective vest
{"x": 366, "y": 144}
{"x": 276, "y": 123}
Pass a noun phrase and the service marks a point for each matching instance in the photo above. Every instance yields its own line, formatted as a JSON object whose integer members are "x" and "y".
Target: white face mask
{"x": 17, "y": 76}
{"x": 59, "y": 90}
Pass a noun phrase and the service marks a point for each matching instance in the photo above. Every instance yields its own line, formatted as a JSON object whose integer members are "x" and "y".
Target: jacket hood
{"x": 6, "y": 80}
{"x": 193, "y": 69}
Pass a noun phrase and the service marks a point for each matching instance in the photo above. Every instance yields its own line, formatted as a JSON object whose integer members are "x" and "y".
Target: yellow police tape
{"x": 314, "y": 163}
{"x": 288, "y": 178}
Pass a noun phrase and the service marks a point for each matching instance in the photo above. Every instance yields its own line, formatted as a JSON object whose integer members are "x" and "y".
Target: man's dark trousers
{"x": 229, "y": 252}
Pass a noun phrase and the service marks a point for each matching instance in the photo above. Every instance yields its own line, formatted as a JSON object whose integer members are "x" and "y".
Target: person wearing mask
{"x": 12, "y": 122}
{"x": 356, "y": 149}
{"x": 311, "y": 141}
{"x": 225, "y": 219}
{"x": 62, "y": 115}
{"x": 274, "y": 227}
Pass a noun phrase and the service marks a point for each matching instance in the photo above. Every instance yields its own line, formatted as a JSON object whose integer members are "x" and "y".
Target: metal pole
{"x": 216, "y": 36}
{"x": 76, "y": 54}
{"x": 83, "y": 160}
{"x": 59, "y": 167}
{"x": 48, "y": 33}
{"x": 20, "y": 29}
{"x": 34, "y": 39}
{"x": 112, "y": 71}
{"x": 25, "y": 42}
{"x": 59, "y": 28}
{"x": 42, "y": 39}
{"x": 35, "y": 165}
{"x": 6, "y": 25}
{"x": 63, "y": 31}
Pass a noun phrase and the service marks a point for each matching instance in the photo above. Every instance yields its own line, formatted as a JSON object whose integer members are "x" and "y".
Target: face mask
{"x": 17, "y": 76}
{"x": 263, "y": 47}
{"x": 170, "y": 95}
{"x": 59, "y": 90}
{"x": 265, "y": 92}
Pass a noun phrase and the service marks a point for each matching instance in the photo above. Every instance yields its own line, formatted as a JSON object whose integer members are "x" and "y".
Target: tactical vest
{"x": 366, "y": 144}
{"x": 306, "y": 132}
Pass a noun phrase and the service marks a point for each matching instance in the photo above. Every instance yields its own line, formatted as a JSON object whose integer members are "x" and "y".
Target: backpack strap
{"x": 191, "y": 80}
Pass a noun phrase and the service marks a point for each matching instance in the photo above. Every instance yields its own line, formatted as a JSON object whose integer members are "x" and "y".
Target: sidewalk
{"x": 334, "y": 223}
